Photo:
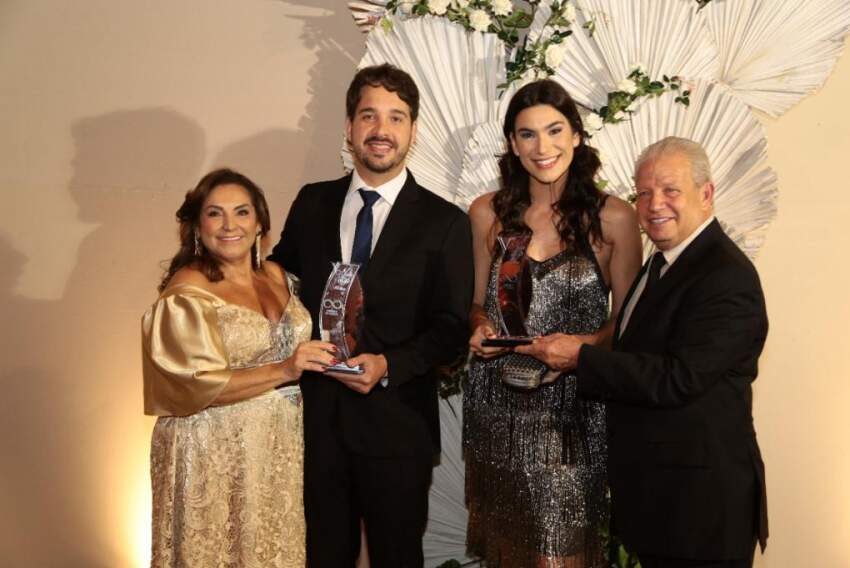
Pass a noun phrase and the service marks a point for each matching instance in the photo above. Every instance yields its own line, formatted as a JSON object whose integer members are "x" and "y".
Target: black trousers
{"x": 390, "y": 494}
{"x": 648, "y": 561}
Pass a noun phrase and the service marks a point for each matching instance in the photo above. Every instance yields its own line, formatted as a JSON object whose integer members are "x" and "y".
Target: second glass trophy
{"x": 513, "y": 291}
{"x": 341, "y": 314}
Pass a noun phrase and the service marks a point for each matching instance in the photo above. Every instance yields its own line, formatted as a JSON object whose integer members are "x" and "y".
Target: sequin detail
{"x": 228, "y": 481}
{"x": 535, "y": 460}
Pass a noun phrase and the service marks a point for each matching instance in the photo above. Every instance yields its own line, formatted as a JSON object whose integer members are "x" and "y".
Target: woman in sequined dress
{"x": 535, "y": 458}
{"x": 223, "y": 349}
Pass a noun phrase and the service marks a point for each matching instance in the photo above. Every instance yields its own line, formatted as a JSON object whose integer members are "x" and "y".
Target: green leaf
{"x": 386, "y": 24}
{"x": 518, "y": 19}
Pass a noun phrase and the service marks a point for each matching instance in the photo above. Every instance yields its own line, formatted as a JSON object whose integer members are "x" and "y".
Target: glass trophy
{"x": 341, "y": 314}
{"x": 513, "y": 291}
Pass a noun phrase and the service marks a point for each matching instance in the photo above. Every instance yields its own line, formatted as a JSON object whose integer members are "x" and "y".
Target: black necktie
{"x": 655, "y": 265}
{"x": 362, "y": 248}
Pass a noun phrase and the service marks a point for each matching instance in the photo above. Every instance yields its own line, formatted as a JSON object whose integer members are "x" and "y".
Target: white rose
{"x": 479, "y": 20}
{"x": 636, "y": 67}
{"x": 555, "y": 55}
{"x": 438, "y": 7}
{"x": 592, "y": 122}
{"x": 568, "y": 12}
{"x": 632, "y": 106}
{"x": 460, "y": 3}
{"x": 627, "y": 86}
{"x": 502, "y": 7}
{"x": 406, "y": 8}
{"x": 620, "y": 115}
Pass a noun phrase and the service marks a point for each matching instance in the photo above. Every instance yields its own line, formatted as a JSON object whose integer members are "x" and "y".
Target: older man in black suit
{"x": 686, "y": 474}
{"x": 370, "y": 439}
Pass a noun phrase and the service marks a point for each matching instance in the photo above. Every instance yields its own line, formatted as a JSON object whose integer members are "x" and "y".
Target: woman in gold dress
{"x": 223, "y": 349}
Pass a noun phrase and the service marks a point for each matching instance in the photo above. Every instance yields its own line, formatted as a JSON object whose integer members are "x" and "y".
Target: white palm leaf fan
{"x": 367, "y": 13}
{"x": 457, "y": 73}
{"x": 746, "y": 188}
{"x": 667, "y": 37}
{"x": 480, "y": 170}
{"x": 445, "y": 534}
{"x": 775, "y": 53}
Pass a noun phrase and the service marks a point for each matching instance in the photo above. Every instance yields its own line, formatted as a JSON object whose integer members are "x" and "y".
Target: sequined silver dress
{"x": 535, "y": 460}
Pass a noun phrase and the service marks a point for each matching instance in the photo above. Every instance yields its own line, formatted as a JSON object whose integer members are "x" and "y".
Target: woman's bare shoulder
{"x": 189, "y": 276}
{"x": 481, "y": 210}
{"x": 617, "y": 210}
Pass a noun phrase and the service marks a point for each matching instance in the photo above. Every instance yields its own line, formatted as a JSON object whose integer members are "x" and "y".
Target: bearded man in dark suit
{"x": 685, "y": 470}
{"x": 370, "y": 439}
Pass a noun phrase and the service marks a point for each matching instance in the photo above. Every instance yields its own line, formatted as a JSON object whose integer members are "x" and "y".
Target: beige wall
{"x": 110, "y": 110}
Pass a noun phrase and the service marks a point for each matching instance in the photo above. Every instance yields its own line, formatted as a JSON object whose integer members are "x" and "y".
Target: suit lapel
{"x": 331, "y": 216}
{"x": 684, "y": 265}
{"x": 626, "y": 303}
{"x": 397, "y": 225}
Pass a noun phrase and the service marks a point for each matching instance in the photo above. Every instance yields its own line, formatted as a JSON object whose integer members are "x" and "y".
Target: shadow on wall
{"x": 282, "y": 161}
{"x": 74, "y": 440}
{"x": 72, "y": 404}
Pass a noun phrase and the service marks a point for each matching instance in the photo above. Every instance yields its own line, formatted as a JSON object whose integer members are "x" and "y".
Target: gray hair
{"x": 693, "y": 151}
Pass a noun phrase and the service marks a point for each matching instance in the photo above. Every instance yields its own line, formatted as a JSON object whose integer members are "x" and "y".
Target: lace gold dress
{"x": 227, "y": 480}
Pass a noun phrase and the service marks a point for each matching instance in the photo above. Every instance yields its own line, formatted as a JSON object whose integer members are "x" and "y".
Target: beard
{"x": 378, "y": 165}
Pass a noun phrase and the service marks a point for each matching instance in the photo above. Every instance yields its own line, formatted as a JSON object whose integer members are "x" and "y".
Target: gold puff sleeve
{"x": 184, "y": 361}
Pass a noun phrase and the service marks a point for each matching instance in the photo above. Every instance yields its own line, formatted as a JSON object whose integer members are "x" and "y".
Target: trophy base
{"x": 345, "y": 369}
{"x": 506, "y": 341}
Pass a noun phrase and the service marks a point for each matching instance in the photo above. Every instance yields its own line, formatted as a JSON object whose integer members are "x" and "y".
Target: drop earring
{"x": 257, "y": 251}
{"x": 197, "y": 245}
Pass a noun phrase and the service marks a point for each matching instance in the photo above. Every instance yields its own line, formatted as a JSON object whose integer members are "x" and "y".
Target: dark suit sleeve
{"x": 285, "y": 252}
{"x": 445, "y": 337}
{"x": 717, "y": 332}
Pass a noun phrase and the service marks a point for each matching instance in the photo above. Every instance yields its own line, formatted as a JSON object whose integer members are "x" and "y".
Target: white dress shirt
{"x": 380, "y": 210}
{"x": 670, "y": 256}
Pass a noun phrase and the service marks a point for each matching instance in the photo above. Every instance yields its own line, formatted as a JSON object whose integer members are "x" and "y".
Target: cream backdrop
{"x": 110, "y": 110}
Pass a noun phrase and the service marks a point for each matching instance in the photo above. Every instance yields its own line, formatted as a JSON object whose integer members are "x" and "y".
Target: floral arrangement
{"x": 494, "y": 16}
{"x": 532, "y": 60}
{"x": 538, "y": 57}
{"x": 630, "y": 90}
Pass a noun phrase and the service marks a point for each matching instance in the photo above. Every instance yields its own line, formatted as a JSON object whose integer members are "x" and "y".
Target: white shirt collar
{"x": 671, "y": 255}
{"x": 388, "y": 191}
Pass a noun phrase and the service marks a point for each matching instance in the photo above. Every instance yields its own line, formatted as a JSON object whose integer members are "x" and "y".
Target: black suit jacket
{"x": 417, "y": 288}
{"x": 686, "y": 474}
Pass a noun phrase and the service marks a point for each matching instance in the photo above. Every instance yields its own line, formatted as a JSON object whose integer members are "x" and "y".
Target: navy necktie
{"x": 362, "y": 248}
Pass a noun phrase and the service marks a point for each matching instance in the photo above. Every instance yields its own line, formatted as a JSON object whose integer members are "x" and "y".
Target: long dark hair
{"x": 579, "y": 205}
{"x": 189, "y": 216}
